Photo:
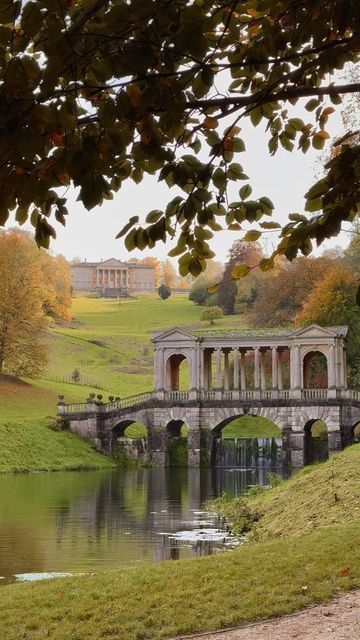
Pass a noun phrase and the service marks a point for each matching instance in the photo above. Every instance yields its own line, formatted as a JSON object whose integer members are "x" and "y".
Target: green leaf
{"x": 234, "y": 171}
{"x": 240, "y": 271}
{"x": 314, "y": 205}
{"x": 133, "y": 220}
{"x": 255, "y": 116}
{"x": 252, "y": 236}
{"x": 153, "y": 216}
{"x": 358, "y": 296}
{"x": 270, "y": 225}
{"x": 245, "y": 191}
{"x": 312, "y": 104}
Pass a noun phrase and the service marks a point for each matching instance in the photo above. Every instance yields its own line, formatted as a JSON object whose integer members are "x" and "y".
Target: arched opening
{"x": 316, "y": 447}
{"x": 248, "y": 442}
{"x": 315, "y": 370}
{"x": 356, "y": 433}
{"x": 129, "y": 441}
{"x": 178, "y": 372}
{"x": 177, "y": 443}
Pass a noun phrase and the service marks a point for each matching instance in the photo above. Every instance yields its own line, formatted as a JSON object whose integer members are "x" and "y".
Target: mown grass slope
{"x": 318, "y": 496}
{"x": 26, "y": 441}
{"x": 258, "y": 580}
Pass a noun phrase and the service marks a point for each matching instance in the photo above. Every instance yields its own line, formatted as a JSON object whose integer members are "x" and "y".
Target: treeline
{"x": 319, "y": 290}
{"x": 34, "y": 286}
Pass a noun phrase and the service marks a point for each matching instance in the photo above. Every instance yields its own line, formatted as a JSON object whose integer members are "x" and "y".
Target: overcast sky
{"x": 284, "y": 178}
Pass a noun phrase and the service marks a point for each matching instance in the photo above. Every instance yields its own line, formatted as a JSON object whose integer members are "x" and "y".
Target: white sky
{"x": 284, "y": 178}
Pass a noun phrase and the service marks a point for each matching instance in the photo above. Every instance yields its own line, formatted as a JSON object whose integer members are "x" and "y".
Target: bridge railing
{"x": 179, "y": 395}
{"x": 314, "y": 394}
{"x": 130, "y": 401}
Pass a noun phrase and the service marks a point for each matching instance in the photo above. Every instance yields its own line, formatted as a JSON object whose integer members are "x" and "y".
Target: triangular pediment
{"x": 315, "y": 331}
{"x": 174, "y": 335}
{"x": 111, "y": 262}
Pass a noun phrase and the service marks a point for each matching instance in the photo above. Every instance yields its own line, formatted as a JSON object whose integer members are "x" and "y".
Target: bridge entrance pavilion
{"x": 293, "y": 378}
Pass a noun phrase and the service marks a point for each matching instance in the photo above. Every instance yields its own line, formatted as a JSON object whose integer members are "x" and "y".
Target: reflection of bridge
{"x": 306, "y": 370}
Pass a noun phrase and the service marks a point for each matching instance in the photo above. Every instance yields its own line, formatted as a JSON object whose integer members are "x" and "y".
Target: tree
{"x": 169, "y": 275}
{"x": 247, "y": 253}
{"x": 164, "y": 292}
{"x": 199, "y": 291}
{"x": 281, "y": 296}
{"x": 22, "y": 316}
{"x": 95, "y": 93}
{"x": 333, "y": 302}
{"x": 211, "y": 314}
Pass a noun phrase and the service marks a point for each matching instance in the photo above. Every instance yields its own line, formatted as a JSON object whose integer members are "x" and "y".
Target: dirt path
{"x": 339, "y": 619}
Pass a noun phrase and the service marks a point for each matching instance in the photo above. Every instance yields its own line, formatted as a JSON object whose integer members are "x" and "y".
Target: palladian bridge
{"x": 292, "y": 378}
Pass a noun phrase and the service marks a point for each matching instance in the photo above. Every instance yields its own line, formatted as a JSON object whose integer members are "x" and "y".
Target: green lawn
{"x": 27, "y": 442}
{"x": 258, "y": 580}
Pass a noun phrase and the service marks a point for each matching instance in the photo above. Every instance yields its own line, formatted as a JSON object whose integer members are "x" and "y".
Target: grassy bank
{"x": 260, "y": 579}
{"x": 27, "y": 442}
{"x": 318, "y": 496}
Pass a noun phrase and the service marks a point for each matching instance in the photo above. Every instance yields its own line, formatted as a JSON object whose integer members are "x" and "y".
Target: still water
{"x": 92, "y": 521}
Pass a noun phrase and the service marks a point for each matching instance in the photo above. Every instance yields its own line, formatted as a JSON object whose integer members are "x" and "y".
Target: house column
{"x": 256, "y": 368}
{"x": 274, "y": 367}
{"x": 218, "y": 369}
{"x": 236, "y": 369}
{"x": 97, "y": 277}
{"x": 242, "y": 371}
{"x": 262, "y": 370}
{"x": 226, "y": 371}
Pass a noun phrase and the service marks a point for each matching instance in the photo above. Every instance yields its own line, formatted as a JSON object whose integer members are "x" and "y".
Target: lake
{"x": 94, "y": 521}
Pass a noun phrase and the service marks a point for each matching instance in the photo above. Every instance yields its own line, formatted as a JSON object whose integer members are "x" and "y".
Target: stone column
{"x": 295, "y": 377}
{"x": 279, "y": 370}
{"x": 242, "y": 371}
{"x": 256, "y": 368}
{"x": 194, "y": 378}
{"x": 345, "y": 367}
{"x": 342, "y": 367}
{"x": 226, "y": 371}
{"x": 218, "y": 369}
{"x": 209, "y": 379}
{"x": 203, "y": 369}
{"x": 236, "y": 369}
{"x": 297, "y": 449}
{"x": 274, "y": 367}
{"x": 97, "y": 277}
{"x": 262, "y": 370}
{"x": 331, "y": 368}
{"x": 334, "y": 441}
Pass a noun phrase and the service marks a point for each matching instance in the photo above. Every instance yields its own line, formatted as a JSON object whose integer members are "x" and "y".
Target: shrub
{"x": 164, "y": 291}
{"x": 211, "y": 314}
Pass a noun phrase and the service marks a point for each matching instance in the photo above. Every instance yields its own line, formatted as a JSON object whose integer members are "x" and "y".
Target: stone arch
{"x": 119, "y": 436}
{"x": 263, "y": 451}
{"x": 355, "y": 432}
{"x": 176, "y": 443}
{"x": 316, "y": 446}
{"x": 315, "y": 369}
{"x": 172, "y": 368}
{"x": 227, "y": 414}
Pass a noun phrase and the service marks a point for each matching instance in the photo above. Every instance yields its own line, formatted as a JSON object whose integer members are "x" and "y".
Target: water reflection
{"x": 75, "y": 522}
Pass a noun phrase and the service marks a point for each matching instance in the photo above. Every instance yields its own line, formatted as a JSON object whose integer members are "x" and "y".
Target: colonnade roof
{"x": 251, "y": 335}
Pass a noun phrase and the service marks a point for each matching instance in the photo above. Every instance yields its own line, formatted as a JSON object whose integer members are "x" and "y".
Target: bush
{"x": 211, "y": 314}
{"x": 75, "y": 376}
{"x": 164, "y": 291}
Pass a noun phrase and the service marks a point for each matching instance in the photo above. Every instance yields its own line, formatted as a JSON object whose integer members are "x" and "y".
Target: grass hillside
{"x": 27, "y": 442}
{"x": 109, "y": 341}
{"x": 258, "y": 580}
{"x": 318, "y": 496}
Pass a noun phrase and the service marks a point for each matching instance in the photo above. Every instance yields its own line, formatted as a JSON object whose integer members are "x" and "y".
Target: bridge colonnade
{"x": 279, "y": 382}
{"x": 238, "y": 362}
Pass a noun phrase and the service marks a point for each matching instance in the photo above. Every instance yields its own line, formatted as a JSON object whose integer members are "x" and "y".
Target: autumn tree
{"x": 22, "y": 315}
{"x": 169, "y": 275}
{"x": 96, "y": 93}
{"x": 281, "y": 295}
{"x": 244, "y": 253}
{"x": 153, "y": 262}
{"x": 333, "y": 302}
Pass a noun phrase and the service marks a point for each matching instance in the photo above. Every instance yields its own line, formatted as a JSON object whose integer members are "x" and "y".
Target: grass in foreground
{"x": 167, "y": 599}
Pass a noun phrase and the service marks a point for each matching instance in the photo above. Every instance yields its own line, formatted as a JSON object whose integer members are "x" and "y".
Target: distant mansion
{"x": 112, "y": 277}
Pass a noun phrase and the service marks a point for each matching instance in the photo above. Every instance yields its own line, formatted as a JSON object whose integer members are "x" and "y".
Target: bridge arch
{"x": 121, "y": 436}
{"x": 315, "y": 369}
{"x": 177, "y": 443}
{"x": 174, "y": 364}
{"x": 316, "y": 441}
{"x": 355, "y": 432}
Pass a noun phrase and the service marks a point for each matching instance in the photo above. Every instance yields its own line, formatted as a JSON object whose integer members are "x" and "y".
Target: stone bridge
{"x": 303, "y": 380}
